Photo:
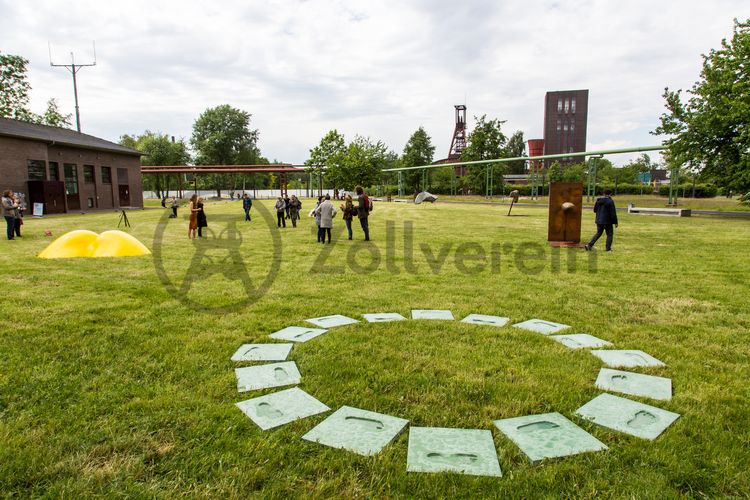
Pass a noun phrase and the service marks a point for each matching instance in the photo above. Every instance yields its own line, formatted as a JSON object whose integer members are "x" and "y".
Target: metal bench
{"x": 675, "y": 212}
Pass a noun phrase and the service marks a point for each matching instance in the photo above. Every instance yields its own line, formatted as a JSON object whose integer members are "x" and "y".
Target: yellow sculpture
{"x": 83, "y": 243}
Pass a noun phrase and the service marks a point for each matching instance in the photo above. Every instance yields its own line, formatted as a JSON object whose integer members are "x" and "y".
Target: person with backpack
{"x": 348, "y": 212}
{"x": 247, "y": 204}
{"x": 288, "y": 201}
{"x": 364, "y": 207}
{"x": 294, "y": 207}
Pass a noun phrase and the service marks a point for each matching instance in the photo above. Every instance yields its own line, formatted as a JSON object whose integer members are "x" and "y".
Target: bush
{"x": 701, "y": 190}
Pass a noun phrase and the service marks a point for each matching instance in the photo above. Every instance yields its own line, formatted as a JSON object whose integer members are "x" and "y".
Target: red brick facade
{"x": 124, "y": 188}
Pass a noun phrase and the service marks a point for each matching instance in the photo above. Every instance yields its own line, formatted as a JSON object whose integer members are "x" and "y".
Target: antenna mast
{"x": 73, "y": 68}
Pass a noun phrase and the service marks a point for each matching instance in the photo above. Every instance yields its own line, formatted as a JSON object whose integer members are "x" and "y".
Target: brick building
{"x": 565, "y": 117}
{"x": 67, "y": 170}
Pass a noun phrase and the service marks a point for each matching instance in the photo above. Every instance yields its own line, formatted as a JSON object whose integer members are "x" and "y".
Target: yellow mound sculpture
{"x": 83, "y": 243}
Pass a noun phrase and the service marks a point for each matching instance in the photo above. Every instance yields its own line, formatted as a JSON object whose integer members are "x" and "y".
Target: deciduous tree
{"x": 222, "y": 136}
{"x": 329, "y": 153}
{"x": 711, "y": 130}
{"x": 158, "y": 149}
{"x": 418, "y": 151}
{"x": 485, "y": 142}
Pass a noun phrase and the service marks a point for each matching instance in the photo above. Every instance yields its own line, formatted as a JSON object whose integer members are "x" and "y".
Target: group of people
{"x": 13, "y": 212}
{"x": 324, "y": 212}
{"x": 287, "y": 208}
{"x": 197, "y": 219}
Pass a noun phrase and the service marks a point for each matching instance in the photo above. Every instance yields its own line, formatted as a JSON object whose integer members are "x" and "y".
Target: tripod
{"x": 123, "y": 219}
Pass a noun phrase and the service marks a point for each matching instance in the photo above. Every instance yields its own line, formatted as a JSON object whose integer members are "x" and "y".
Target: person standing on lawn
{"x": 202, "y": 221}
{"x": 280, "y": 209}
{"x": 9, "y": 212}
{"x": 247, "y": 204}
{"x": 327, "y": 212}
{"x": 348, "y": 212}
{"x": 175, "y": 204}
{"x": 294, "y": 207}
{"x": 363, "y": 210}
{"x": 606, "y": 218}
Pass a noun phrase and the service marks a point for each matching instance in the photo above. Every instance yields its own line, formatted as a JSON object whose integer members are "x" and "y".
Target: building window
{"x": 572, "y": 126}
{"x": 567, "y": 105}
{"x": 122, "y": 176}
{"x": 558, "y": 124}
{"x": 89, "y": 202}
{"x": 71, "y": 178}
{"x": 559, "y": 104}
{"x": 37, "y": 170}
{"x": 570, "y": 149}
{"x": 573, "y": 105}
{"x": 88, "y": 174}
{"x": 565, "y": 127}
{"x": 106, "y": 175}
{"x": 54, "y": 173}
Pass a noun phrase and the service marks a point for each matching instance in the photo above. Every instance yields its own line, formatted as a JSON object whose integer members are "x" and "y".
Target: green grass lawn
{"x": 116, "y": 379}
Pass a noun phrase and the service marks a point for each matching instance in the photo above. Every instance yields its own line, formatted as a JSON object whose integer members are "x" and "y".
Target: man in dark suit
{"x": 606, "y": 218}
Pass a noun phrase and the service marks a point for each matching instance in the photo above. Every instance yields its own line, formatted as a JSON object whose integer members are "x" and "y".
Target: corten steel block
{"x": 565, "y": 209}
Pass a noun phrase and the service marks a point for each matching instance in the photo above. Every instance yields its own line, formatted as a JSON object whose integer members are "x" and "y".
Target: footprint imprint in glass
{"x": 549, "y": 435}
{"x": 280, "y": 408}
{"x": 464, "y": 451}
{"x": 541, "y": 326}
{"x": 262, "y": 352}
{"x": 251, "y": 378}
{"x": 635, "y": 384}
{"x": 628, "y": 416}
{"x": 360, "y": 431}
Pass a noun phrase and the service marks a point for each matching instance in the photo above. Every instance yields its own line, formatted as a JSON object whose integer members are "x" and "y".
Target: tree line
{"x": 708, "y": 140}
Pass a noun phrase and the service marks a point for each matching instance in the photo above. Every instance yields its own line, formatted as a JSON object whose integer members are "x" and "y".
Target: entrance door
{"x": 124, "y": 196}
{"x": 51, "y": 193}
{"x": 124, "y": 185}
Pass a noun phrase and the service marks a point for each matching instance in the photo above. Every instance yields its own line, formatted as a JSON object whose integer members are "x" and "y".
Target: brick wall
{"x": 14, "y": 154}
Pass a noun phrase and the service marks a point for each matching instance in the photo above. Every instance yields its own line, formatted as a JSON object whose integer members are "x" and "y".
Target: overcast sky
{"x": 379, "y": 69}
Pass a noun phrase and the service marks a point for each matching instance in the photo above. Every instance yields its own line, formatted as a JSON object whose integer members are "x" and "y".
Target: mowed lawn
{"x": 116, "y": 379}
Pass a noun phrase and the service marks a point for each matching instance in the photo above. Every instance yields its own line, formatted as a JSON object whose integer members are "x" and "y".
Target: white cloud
{"x": 379, "y": 69}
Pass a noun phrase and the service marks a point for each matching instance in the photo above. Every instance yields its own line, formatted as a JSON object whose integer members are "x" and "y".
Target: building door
{"x": 51, "y": 193}
{"x": 71, "y": 186}
{"x": 124, "y": 196}
{"x": 124, "y": 185}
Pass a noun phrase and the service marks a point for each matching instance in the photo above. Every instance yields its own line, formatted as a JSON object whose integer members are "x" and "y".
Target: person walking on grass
{"x": 247, "y": 204}
{"x": 9, "y": 212}
{"x": 175, "y": 204}
{"x": 606, "y": 218}
{"x": 280, "y": 208}
{"x": 348, "y": 212}
{"x": 193, "y": 218}
{"x": 363, "y": 210}
{"x": 327, "y": 212}
{"x": 202, "y": 222}
{"x": 286, "y": 208}
{"x": 294, "y": 207}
